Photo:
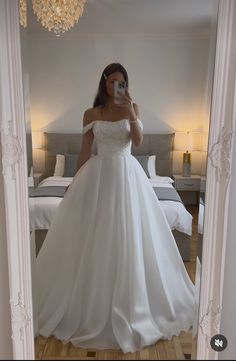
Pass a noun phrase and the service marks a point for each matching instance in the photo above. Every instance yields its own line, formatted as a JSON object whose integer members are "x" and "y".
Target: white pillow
{"x": 60, "y": 165}
{"x": 152, "y": 166}
{"x": 30, "y": 181}
{"x": 152, "y": 171}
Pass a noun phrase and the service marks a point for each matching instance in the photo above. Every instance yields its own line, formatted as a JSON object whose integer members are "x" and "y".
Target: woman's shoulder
{"x": 90, "y": 115}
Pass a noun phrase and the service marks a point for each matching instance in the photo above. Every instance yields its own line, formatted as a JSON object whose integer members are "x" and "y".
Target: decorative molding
{"x": 210, "y": 322}
{"x": 217, "y": 184}
{"x": 220, "y": 155}
{"x": 15, "y": 180}
{"x": 11, "y": 150}
{"x": 20, "y": 318}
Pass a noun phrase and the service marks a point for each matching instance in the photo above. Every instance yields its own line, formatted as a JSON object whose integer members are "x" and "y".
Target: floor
{"x": 178, "y": 348}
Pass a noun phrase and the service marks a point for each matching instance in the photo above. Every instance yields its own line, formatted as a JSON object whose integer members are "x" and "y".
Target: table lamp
{"x": 37, "y": 139}
{"x": 38, "y": 151}
{"x": 187, "y": 142}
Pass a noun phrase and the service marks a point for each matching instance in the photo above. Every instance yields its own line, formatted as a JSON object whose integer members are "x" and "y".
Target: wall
{"x": 24, "y": 43}
{"x": 5, "y": 314}
{"x": 168, "y": 79}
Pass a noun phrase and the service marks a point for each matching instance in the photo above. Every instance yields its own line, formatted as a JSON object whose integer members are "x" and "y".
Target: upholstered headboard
{"x": 159, "y": 144}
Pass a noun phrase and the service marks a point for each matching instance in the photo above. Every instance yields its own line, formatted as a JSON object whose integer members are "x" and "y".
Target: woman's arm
{"x": 87, "y": 141}
{"x": 136, "y": 133}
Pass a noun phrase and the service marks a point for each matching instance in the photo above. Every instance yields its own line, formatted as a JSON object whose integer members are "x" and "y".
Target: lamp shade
{"x": 187, "y": 141}
{"x": 37, "y": 140}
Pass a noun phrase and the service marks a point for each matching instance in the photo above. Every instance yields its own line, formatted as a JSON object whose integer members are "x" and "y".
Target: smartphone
{"x": 119, "y": 86}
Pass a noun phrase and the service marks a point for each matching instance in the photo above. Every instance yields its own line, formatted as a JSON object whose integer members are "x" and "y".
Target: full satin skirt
{"x": 109, "y": 274}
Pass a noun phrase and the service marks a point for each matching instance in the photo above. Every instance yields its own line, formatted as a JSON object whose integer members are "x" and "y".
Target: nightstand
{"x": 38, "y": 177}
{"x": 188, "y": 187}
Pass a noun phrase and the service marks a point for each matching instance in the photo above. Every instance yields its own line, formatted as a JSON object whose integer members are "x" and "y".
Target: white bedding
{"x": 42, "y": 209}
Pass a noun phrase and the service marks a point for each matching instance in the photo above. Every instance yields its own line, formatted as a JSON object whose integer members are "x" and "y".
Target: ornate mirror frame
{"x": 14, "y": 160}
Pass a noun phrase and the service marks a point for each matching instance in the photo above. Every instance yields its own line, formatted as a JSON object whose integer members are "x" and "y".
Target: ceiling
{"x": 136, "y": 17}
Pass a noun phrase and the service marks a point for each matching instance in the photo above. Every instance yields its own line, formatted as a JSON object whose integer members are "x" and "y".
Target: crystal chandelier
{"x": 56, "y": 15}
{"x": 22, "y": 10}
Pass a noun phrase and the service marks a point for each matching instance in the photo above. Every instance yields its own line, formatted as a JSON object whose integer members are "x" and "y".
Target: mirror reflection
{"x": 117, "y": 191}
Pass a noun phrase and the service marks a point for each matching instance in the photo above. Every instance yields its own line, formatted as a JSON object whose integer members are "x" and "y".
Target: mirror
{"x": 14, "y": 162}
{"x": 168, "y": 48}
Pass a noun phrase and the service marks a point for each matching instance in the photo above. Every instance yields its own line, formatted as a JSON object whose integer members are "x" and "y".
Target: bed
{"x": 43, "y": 208}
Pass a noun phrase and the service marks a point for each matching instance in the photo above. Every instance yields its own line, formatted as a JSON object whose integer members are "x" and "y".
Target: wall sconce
{"x": 187, "y": 142}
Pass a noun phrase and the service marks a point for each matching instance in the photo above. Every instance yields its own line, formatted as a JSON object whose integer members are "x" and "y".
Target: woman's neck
{"x": 109, "y": 103}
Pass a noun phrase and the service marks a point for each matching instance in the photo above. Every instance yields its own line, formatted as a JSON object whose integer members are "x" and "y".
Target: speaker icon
{"x": 219, "y": 343}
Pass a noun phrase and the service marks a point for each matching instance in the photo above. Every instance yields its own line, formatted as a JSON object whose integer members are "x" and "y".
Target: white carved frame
{"x": 14, "y": 161}
{"x": 222, "y": 127}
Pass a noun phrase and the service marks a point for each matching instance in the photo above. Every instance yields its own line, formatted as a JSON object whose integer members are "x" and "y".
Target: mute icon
{"x": 219, "y": 342}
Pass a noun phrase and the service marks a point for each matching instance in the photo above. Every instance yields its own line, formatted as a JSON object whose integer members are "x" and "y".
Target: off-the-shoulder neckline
{"x": 107, "y": 121}
{"x": 87, "y": 126}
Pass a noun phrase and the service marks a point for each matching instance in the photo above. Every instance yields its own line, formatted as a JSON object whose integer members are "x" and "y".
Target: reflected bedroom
{"x": 117, "y": 189}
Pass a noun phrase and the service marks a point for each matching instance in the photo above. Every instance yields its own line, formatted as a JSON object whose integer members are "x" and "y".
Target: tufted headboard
{"x": 159, "y": 144}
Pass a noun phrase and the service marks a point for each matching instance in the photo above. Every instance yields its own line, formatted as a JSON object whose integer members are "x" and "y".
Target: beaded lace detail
{"x": 112, "y": 137}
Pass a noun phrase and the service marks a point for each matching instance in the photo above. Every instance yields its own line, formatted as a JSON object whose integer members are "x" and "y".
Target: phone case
{"x": 119, "y": 86}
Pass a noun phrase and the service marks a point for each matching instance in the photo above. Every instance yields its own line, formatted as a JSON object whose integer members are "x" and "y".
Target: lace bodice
{"x": 111, "y": 137}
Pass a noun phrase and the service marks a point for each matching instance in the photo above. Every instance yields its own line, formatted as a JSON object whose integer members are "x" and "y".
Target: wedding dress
{"x": 110, "y": 275}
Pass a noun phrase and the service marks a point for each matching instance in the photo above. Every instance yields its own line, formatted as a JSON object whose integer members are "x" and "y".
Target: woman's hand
{"x": 128, "y": 104}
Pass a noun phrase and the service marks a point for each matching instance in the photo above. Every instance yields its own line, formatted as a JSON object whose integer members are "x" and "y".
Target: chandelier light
{"x": 56, "y": 15}
{"x": 23, "y": 14}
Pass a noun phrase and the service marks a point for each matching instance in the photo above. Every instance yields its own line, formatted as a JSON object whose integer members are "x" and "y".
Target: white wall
{"x": 24, "y": 43}
{"x": 168, "y": 79}
{"x": 5, "y": 314}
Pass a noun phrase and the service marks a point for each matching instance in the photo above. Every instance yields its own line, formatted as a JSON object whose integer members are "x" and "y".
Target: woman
{"x": 110, "y": 275}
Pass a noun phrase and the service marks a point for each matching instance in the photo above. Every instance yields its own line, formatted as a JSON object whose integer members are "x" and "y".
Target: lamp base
{"x": 187, "y": 164}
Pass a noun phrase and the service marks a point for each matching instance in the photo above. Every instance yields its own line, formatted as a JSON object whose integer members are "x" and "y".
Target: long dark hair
{"x": 101, "y": 97}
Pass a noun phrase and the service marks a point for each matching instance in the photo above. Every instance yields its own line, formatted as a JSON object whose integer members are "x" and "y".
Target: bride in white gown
{"x": 110, "y": 275}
